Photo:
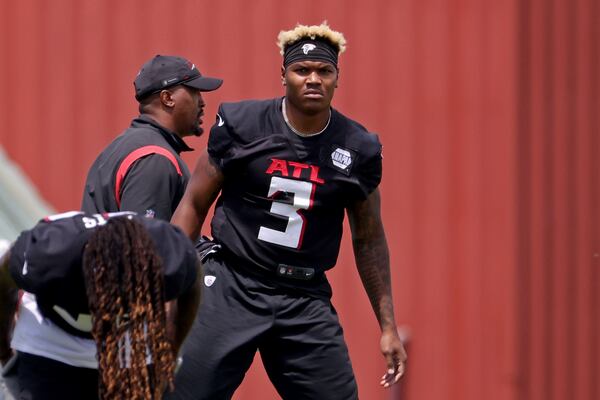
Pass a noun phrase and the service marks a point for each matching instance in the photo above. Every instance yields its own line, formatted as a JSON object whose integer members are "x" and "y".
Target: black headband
{"x": 309, "y": 49}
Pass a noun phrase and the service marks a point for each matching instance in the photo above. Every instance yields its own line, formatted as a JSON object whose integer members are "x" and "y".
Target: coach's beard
{"x": 197, "y": 129}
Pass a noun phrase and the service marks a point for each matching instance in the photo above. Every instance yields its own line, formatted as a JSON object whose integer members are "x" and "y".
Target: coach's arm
{"x": 8, "y": 304}
{"x": 373, "y": 263}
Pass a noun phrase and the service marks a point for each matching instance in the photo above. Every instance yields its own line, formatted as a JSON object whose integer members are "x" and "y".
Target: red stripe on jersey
{"x": 56, "y": 217}
{"x": 133, "y": 157}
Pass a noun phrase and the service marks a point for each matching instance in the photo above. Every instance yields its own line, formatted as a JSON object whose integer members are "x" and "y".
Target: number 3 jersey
{"x": 284, "y": 196}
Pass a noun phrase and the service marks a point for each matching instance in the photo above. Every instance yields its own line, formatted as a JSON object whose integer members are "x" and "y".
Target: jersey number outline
{"x": 303, "y": 200}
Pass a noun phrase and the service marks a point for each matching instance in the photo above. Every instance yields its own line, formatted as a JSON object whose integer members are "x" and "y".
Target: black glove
{"x": 205, "y": 247}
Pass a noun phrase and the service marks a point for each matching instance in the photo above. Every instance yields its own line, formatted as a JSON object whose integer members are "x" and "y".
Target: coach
{"x": 141, "y": 170}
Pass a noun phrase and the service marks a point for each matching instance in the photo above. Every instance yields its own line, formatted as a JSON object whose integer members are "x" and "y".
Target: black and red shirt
{"x": 284, "y": 196}
{"x": 140, "y": 171}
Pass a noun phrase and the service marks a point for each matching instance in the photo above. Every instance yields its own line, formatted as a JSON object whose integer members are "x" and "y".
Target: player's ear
{"x": 282, "y": 75}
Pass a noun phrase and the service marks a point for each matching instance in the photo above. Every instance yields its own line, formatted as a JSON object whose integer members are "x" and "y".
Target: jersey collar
{"x": 175, "y": 141}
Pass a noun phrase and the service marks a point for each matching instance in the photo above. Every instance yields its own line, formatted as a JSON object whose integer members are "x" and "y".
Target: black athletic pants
{"x": 299, "y": 338}
{"x": 41, "y": 378}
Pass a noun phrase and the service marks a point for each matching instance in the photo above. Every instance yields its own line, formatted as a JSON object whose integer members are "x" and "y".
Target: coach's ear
{"x": 166, "y": 98}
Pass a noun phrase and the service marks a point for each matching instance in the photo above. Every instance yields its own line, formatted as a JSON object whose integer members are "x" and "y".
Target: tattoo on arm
{"x": 372, "y": 257}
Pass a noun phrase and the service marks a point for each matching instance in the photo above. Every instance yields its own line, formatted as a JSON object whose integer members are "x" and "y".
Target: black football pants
{"x": 41, "y": 378}
{"x": 299, "y": 338}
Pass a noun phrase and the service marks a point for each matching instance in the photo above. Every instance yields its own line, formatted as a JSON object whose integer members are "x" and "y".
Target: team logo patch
{"x": 150, "y": 213}
{"x": 209, "y": 280}
{"x": 308, "y": 47}
{"x": 342, "y": 159}
{"x": 338, "y": 158}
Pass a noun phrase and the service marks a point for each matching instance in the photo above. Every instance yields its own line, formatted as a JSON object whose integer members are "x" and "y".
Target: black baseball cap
{"x": 162, "y": 72}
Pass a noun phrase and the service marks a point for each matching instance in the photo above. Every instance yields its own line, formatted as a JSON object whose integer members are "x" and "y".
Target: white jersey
{"x": 39, "y": 336}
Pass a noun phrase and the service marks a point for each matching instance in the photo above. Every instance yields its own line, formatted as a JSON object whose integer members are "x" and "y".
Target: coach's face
{"x": 188, "y": 111}
{"x": 310, "y": 85}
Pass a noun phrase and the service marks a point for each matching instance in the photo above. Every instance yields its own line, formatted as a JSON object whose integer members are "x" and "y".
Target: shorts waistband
{"x": 288, "y": 274}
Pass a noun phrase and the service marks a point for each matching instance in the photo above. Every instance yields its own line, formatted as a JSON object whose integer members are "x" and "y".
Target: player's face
{"x": 188, "y": 111}
{"x": 310, "y": 85}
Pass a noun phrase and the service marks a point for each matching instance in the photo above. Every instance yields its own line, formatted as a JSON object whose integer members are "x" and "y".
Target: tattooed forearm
{"x": 372, "y": 261}
{"x": 372, "y": 257}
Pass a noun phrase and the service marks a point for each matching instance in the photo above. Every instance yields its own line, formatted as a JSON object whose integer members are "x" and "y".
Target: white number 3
{"x": 292, "y": 236}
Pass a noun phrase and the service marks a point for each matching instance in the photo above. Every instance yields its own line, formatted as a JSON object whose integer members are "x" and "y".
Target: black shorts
{"x": 41, "y": 378}
{"x": 299, "y": 338}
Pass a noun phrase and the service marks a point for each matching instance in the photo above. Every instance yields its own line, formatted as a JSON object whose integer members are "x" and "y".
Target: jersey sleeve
{"x": 150, "y": 186}
{"x": 45, "y": 258}
{"x": 370, "y": 168}
{"x": 221, "y": 144}
{"x": 178, "y": 255}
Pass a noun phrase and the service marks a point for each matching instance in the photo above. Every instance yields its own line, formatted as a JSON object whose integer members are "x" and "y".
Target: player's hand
{"x": 395, "y": 357}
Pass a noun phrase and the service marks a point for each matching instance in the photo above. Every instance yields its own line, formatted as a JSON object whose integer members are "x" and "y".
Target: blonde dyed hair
{"x": 323, "y": 31}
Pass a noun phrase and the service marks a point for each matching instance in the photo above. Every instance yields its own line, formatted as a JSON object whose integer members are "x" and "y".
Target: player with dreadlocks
{"x": 124, "y": 285}
{"x": 107, "y": 278}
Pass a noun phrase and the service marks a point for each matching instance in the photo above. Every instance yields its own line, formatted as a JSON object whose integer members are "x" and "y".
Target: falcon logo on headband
{"x": 308, "y": 47}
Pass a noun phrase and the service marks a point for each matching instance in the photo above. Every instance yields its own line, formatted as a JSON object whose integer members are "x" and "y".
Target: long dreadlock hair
{"x": 124, "y": 284}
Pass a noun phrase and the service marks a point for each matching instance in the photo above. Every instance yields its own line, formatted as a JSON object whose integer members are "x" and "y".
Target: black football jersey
{"x": 47, "y": 261}
{"x": 284, "y": 196}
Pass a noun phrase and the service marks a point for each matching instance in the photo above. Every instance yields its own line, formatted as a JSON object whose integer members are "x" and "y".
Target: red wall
{"x": 488, "y": 111}
{"x": 559, "y": 193}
